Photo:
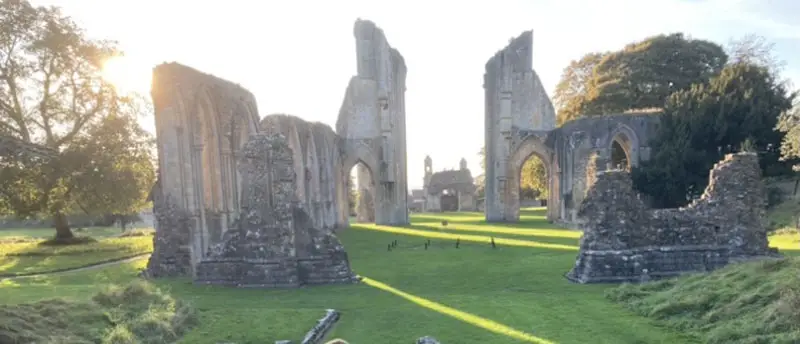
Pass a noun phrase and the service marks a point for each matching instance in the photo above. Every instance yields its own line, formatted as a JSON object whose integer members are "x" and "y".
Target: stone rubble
{"x": 625, "y": 241}
{"x": 274, "y": 243}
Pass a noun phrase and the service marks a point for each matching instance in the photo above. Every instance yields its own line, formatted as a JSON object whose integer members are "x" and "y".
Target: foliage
{"x": 743, "y": 303}
{"x": 136, "y": 313}
{"x": 789, "y": 124}
{"x": 572, "y": 91}
{"x": 703, "y": 123}
{"x": 52, "y": 95}
{"x": 644, "y": 74}
{"x": 640, "y": 76}
{"x": 533, "y": 179}
{"x": 352, "y": 195}
{"x": 756, "y": 50}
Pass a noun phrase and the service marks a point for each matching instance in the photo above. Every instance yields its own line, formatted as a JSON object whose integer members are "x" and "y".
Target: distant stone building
{"x": 449, "y": 190}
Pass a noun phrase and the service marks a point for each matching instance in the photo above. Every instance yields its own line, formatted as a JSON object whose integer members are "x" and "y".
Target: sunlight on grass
{"x": 785, "y": 241}
{"x": 466, "y": 237}
{"x": 555, "y": 233}
{"x": 463, "y": 316}
{"x": 30, "y": 257}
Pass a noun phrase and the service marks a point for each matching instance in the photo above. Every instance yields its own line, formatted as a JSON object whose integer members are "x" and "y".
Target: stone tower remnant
{"x": 246, "y": 203}
{"x": 520, "y": 123}
{"x": 625, "y": 241}
{"x": 372, "y": 123}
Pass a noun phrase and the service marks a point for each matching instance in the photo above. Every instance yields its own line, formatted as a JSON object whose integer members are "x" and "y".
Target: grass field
{"x": 22, "y": 252}
{"x": 515, "y": 293}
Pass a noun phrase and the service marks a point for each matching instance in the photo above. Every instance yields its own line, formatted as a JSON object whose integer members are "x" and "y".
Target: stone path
{"x": 78, "y": 269}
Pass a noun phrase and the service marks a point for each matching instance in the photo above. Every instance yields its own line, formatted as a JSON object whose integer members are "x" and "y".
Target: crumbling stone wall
{"x": 624, "y": 240}
{"x": 201, "y": 122}
{"x": 317, "y": 162}
{"x": 517, "y": 105}
{"x": 274, "y": 243}
{"x": 372, "y": 122}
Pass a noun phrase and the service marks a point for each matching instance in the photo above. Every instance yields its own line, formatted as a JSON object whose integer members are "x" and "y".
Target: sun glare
{"x": 126, "y": 75}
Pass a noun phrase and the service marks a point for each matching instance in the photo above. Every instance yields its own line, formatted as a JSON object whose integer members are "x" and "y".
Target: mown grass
{"x": 514, "y": 293}
{"x": 136, "y": 313}
{"x": 27, "y": 255}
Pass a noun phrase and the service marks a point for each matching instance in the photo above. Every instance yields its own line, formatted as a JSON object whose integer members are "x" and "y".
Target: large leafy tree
{"x": 708, "y": 120}
{"x": 53, "y": 96}
{"x": 645, "y": 73}
{"x": 572, "y": 91}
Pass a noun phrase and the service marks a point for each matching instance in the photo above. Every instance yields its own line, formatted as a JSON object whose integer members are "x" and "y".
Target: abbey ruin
{"x": 520, "y": 122}
{"x": 244, "y": 201}
{"x": 625, "y": 241}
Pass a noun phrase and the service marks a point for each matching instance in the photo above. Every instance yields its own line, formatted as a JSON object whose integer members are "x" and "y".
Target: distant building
{"x": 449, "y": 190}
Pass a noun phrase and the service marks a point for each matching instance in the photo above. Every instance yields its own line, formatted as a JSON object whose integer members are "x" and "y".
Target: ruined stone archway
{"x": 623, "y": 138}
{"x": 531, "y": 147}
{"x": 358, "y": 155}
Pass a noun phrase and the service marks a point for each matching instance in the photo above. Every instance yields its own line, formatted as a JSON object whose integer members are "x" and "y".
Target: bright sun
{"x": 126, "y": 75}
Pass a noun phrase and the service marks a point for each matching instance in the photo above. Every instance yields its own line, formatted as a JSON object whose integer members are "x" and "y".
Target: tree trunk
{"x": 62, "y": 226}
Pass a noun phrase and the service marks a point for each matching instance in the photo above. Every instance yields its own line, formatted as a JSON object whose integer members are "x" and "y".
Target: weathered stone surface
{"x": 172, "y": 258}
{"x": 427, "y": 340}
{"x": 274, "y": 242}
{"x": 372, "y": 123}
{"x": 624, "y": 240}
{"x": 316, "y": 162}
{"x": 321, "y": 328}
{"x": 520, "y": 123}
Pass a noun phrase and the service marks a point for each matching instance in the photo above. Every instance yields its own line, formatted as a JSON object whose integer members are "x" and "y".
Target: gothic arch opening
{"x": 360, "y": 186}
{"x": 529, "y": 182}
{"x": 622, "y": 149}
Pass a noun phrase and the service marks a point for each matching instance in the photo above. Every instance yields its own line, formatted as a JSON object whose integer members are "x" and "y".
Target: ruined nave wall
{"x": 321, "y": 182}
{"x": 623, "y": 240}
{"x": 201, "y": 123}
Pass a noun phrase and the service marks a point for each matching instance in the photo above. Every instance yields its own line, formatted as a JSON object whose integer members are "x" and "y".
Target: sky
{"x": 297, "y": 56}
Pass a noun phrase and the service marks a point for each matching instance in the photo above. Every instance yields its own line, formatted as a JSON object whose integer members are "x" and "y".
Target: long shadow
{"x": 469, "y": 318}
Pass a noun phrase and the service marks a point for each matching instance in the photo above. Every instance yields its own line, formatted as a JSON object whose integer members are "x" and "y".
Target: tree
{"x": 701, "y": 124}
{"x": 644, "y": 74}
{"x": 572, "y": 91}
{"x": 533, "y": 177}
{"x": 352, "y": 195}
{"x": 52, "y": 95}
{"x": 789, "y": 124}
{"x": 756, "y": 50}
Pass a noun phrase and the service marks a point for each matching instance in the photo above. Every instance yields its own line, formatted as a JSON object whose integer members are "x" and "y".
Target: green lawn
{"x": 96, "y": 232}
{"x": 23, "y": 252}
{"x": 515, "y": 293}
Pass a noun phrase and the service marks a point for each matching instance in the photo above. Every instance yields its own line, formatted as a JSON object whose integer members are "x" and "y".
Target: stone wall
{"x": 201, "y": 122}
{"x": 317, "y": 162}
{"x": 372, "y": 122}
{"x": 624, "y": 240}
{"x": 274, "y": 243}
{"x": 516, "y": 104}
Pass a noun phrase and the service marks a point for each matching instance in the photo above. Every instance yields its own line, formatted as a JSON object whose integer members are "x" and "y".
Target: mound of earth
{"x": 137, "y": 313}
{"x": 756, "y": 302}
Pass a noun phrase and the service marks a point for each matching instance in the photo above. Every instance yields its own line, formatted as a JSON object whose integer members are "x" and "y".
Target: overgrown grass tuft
{"x": 136, "y": 313}
{"x": 749, "y": 303}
